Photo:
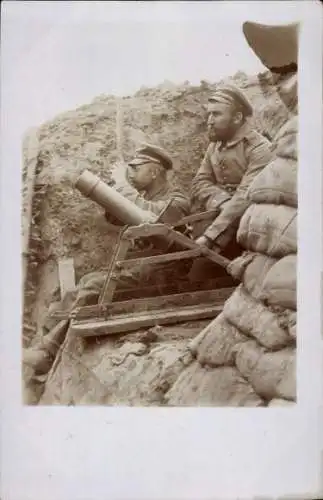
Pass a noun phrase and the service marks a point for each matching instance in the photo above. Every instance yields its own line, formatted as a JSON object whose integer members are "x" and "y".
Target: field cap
{"x": 230, "y": 94}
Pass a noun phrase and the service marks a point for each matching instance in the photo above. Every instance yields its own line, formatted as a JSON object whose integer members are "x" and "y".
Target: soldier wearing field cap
{"x": 236, "y": 154}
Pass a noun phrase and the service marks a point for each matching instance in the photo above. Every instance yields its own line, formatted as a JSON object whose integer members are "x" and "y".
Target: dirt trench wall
{"x": 172, "y": 116}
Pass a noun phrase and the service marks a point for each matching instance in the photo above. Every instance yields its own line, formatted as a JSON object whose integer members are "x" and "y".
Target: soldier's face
{"x": 142, "y": 175}
{"x": 220, "y": 123}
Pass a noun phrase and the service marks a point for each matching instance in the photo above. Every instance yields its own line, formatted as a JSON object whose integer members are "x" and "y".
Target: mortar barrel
{"x": 113, "y": 202}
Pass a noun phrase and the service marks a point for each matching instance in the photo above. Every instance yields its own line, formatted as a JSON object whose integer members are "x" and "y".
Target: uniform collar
{"x": 240, "y": 134}
{"x": 160, "y": 191}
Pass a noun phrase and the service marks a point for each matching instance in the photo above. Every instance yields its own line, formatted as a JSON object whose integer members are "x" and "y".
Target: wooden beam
{"x": 218, "y": 289}
{"x": 216, "y": 257}
{"x": 211, "y": 214}
{"x": 146, "y": 230}
{"x": 136, "y": 306}
{"x": 210, "y": 254}
{"x": 127, "y": 323}
{"x": 147, "y": 252}
{"x": 158, "y": 259}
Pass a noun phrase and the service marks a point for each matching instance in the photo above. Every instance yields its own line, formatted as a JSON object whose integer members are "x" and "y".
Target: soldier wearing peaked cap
{"x": 236, "y": 154}
{"x": 143, "y": 180}
{"x": 154, "y": 154}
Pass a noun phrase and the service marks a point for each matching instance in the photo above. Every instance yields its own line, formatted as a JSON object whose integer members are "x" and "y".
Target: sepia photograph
{"x": 161, "y": 250}
{"x": 159, "y": 215}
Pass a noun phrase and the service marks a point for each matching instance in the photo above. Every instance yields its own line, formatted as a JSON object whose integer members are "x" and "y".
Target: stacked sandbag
{"x": 248, "y": 352}
{"x": 217, "y": 343}
{"x": 269, "y": 229}
{"x": 271, "y": 280}
{"x": 277, "y": 184}
{"x": 202, "y": 386}
{"x": 252, "y": 318}
{"x": 271, "y": 374}
{"x": 264, "y": 307}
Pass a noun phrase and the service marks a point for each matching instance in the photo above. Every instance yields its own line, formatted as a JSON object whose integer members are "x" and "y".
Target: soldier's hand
{"x": 203, "y": 241}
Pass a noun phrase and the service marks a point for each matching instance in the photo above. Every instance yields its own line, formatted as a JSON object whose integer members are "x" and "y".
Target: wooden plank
{"x": 136, "y": 306}
{"x": 125, "y": 323}
{"x": 146, "y": 230}
{"x": 66, "y": 275}
{"x": 210, "y": 254}
{"x": 158, "y": 259}
{"x": 216, "y": 257}
{"x": 220, "y": 288}
{"x": 171, "y": 235}
{"x": 211, "y": 214}
{"x": 139, "y": 254}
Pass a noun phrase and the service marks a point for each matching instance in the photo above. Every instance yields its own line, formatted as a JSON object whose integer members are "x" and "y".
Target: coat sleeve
{"x": 131, "y": 193}
{"x": 180, "y": 204}
{"x": 179, "y": 201}
{"x": 258, "y": 154}
{"x": 204, "y": 188}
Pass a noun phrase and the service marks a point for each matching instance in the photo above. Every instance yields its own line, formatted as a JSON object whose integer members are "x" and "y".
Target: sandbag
{"x": 276, "y": 184}
{"x": 238, "y": 265}
{"x": 287, "y": 319}
{"x": 224, "y": 386}
{"x": 269, "y": 229}
{"x": 279, "y": 285}
{"x": 271, "y": 374}
{"x": 255, "y": 320}
{"x": 285, "y": 141}
{"x": 255, "y": 273}
{"x": 214, "y": 346}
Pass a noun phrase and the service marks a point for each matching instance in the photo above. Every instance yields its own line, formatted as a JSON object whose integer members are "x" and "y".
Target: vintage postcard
{"x": 170, "y": 221}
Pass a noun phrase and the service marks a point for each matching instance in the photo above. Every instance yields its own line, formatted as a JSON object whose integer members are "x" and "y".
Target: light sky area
{"x": 60, "y": 55}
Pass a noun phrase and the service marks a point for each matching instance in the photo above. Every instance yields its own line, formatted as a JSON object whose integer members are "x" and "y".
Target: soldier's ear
{"x": 238, "y": 117}
{"x": 154, "y": 171}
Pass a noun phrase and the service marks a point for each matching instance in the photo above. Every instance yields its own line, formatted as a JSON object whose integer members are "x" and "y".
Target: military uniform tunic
{"x": 225, "y": 175}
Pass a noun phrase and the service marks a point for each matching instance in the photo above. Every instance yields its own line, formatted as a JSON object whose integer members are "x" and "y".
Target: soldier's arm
{"x": 258, "y": 155}
{"x": 131, "y": 193}
{"x": 204, "y": 190}
{"x": 180, "y": 203}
